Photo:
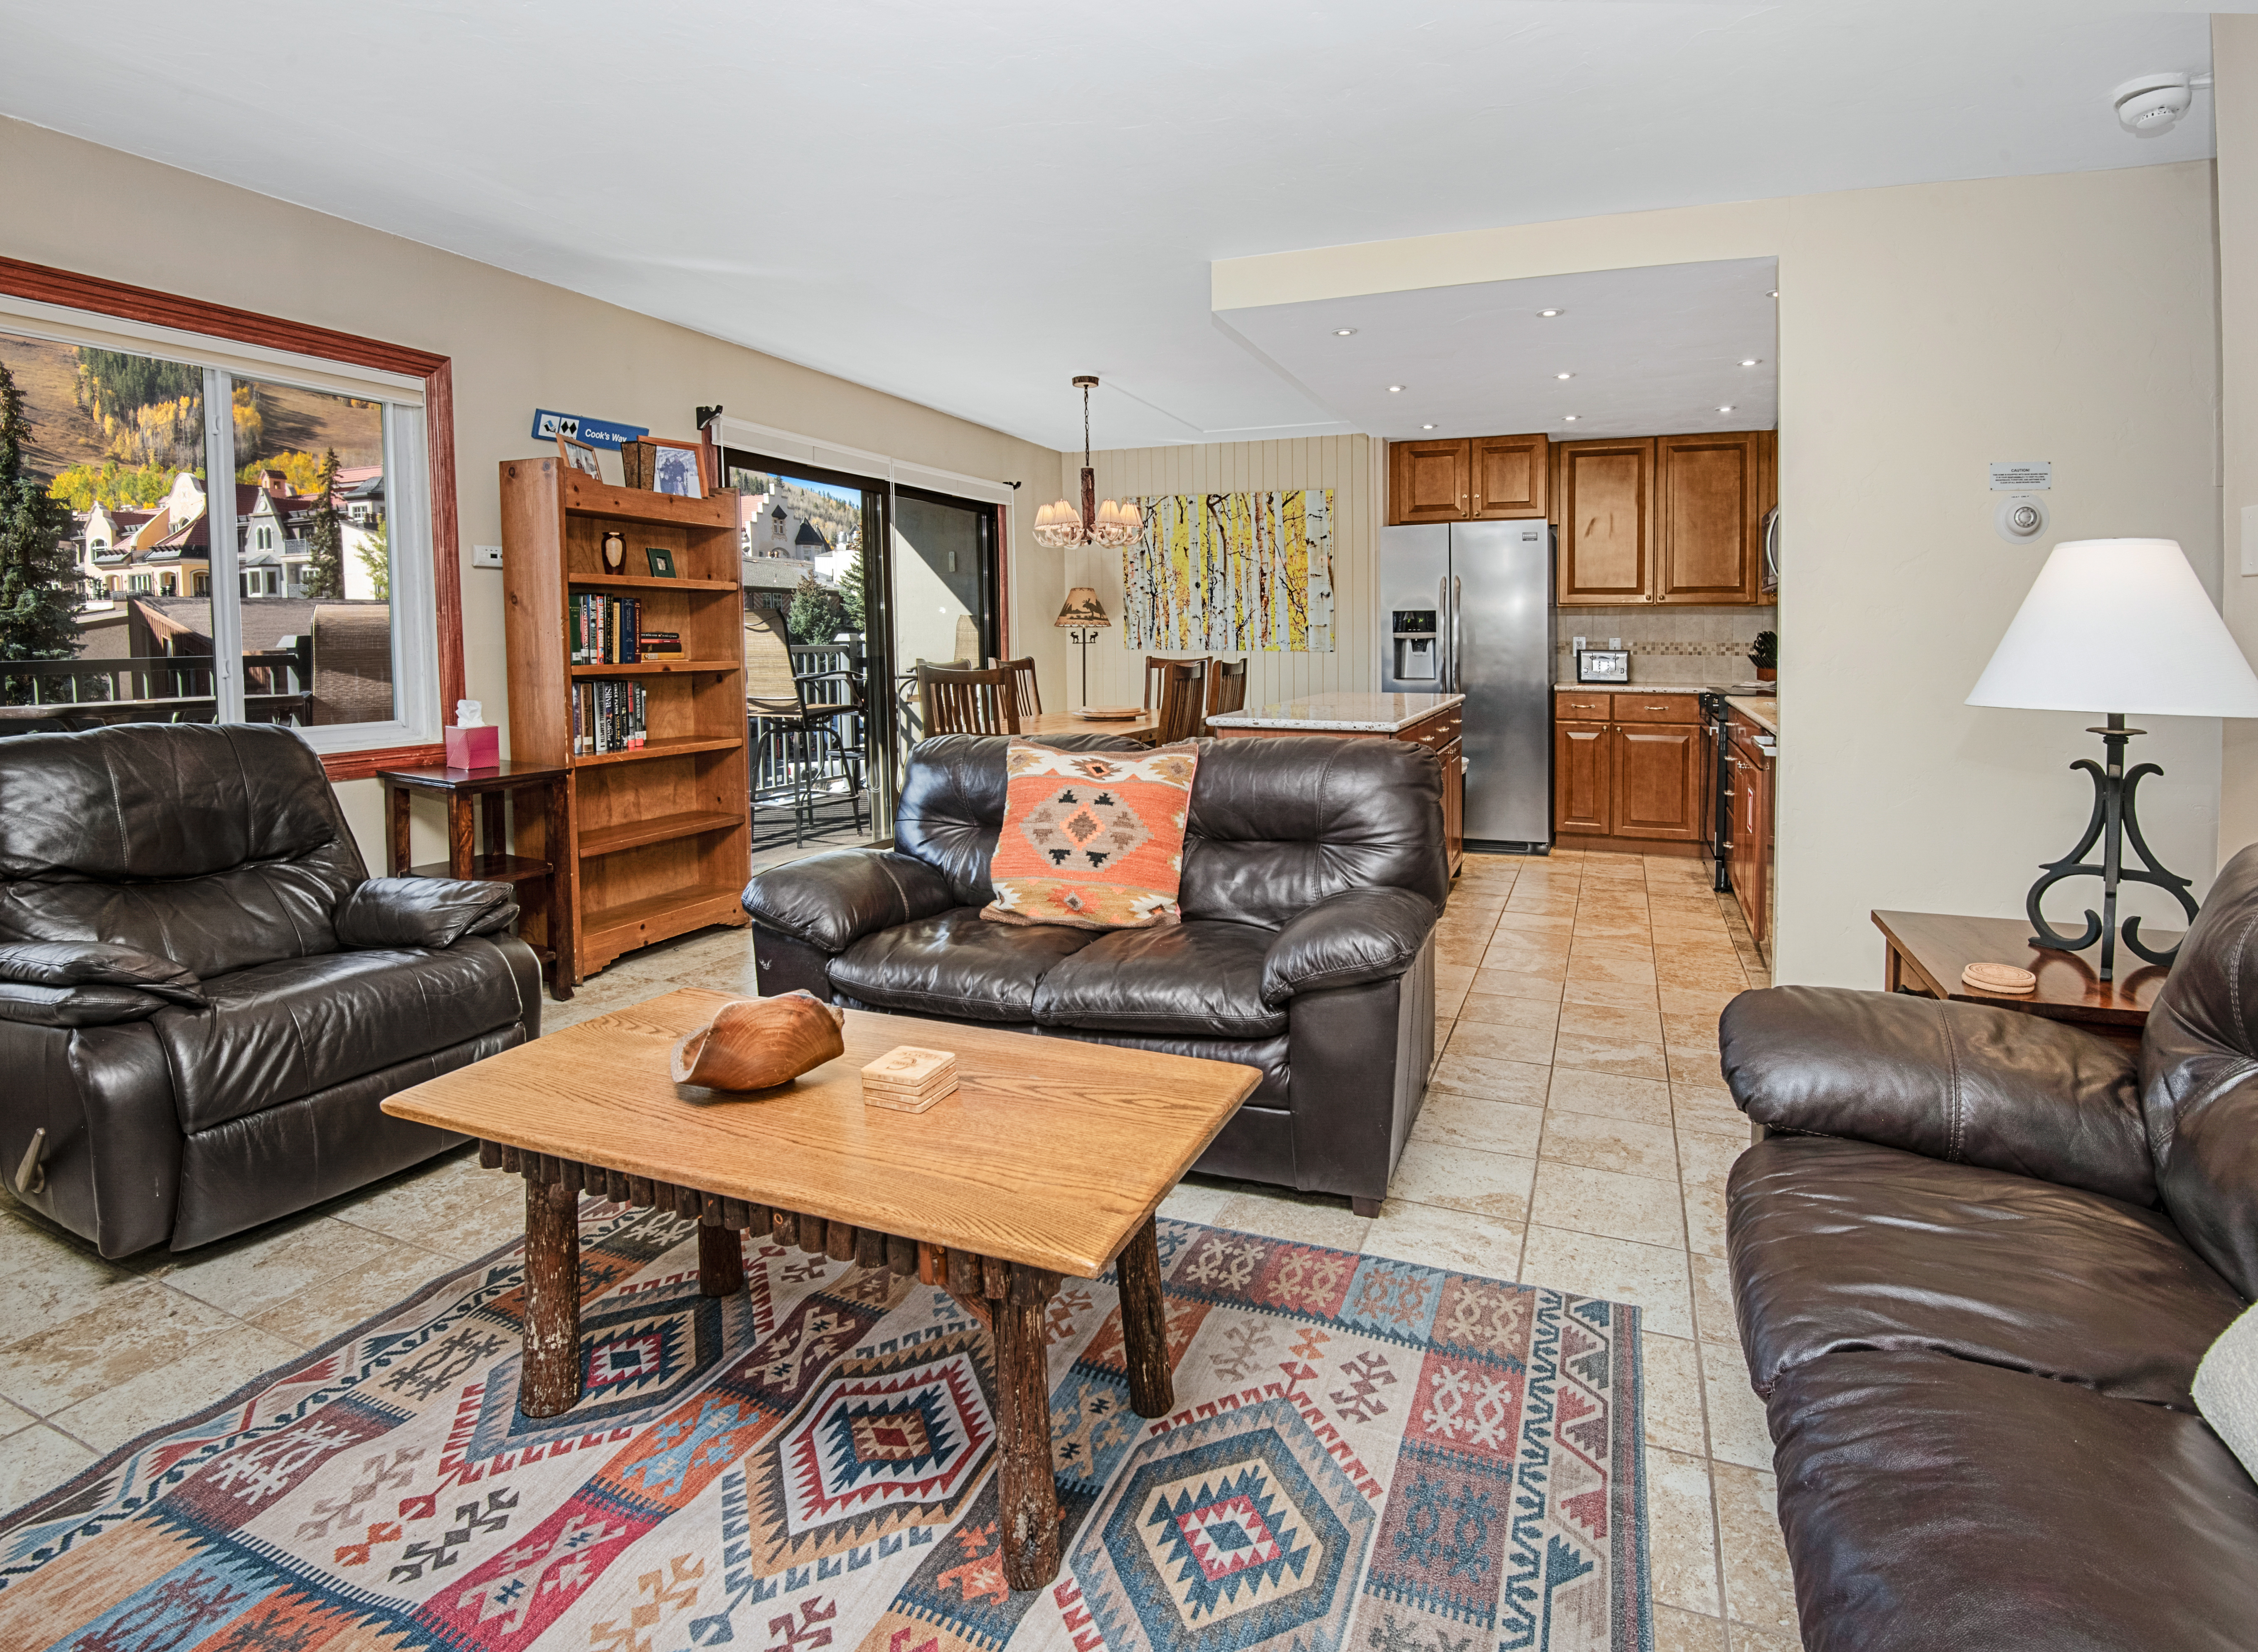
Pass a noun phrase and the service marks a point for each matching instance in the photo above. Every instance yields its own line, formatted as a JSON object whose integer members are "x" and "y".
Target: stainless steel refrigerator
{"x": 1468, "y": 610}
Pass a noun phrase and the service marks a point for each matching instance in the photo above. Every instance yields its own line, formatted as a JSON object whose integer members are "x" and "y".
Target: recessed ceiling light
{"x": 1564, "y": 375}
{"x": 1570, "y": 417}
{"x": 1748, "y": 362}
{"x": 1773, "y": 293}
{"x": 1426, "y": 427}
{"x": 1728, "y": 408}
{"x": 1548, "y": 312}
{"x": 1394, "y": 390}
{"x": 1344, "y": 332}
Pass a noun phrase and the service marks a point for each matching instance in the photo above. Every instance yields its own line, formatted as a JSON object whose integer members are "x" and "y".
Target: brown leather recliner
{"x": 1314, "y": 871}
{"x": 1975, "y": 1268}
{"x": 203, "y": 995}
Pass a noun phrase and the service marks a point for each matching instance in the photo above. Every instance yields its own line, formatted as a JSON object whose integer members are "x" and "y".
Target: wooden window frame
{"x": 44, "y": 285}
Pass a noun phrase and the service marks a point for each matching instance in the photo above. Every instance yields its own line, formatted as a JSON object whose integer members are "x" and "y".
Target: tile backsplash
{"x": 1667, "y": 645}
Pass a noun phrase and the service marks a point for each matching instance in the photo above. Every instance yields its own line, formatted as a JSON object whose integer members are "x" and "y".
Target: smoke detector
{"x": 2149, "y": 104}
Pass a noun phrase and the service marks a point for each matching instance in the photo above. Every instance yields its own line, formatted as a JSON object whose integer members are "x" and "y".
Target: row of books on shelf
{"x": 609, "y": 631}
{"x": 609, "y": 713}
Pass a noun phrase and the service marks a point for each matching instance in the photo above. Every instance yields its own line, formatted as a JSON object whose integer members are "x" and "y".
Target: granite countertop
{"x": 1763, "y": 710}
{"x": 1341, "y": 714}
{"x": 1629, "y": 688}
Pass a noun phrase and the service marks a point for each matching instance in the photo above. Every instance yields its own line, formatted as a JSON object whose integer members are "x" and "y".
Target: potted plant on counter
{"x": 1764, "y": 654}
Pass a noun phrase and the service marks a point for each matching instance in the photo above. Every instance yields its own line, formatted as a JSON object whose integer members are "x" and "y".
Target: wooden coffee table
{"x": 1050, "y": 1160}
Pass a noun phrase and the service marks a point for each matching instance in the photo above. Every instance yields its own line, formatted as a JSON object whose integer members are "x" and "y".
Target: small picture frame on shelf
{"x": 579, "y": 456}
{"x": 661, "y": 560}
{"x": 664, "y": 465}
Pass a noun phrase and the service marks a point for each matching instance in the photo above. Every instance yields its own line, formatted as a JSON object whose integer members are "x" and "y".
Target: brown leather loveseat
{"x": 1313, "y": 873}
{"x": 1975, "y": 1264}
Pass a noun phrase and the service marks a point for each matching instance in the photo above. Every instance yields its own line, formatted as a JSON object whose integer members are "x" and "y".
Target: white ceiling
{"x": 1652, "y": 351}
{"x": 966, "y": 203}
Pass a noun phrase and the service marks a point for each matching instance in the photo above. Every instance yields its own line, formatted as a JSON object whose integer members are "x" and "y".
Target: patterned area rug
{"x": 1366, "y": 1454}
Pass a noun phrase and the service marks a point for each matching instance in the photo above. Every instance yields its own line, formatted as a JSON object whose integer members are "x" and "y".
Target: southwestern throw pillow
{"x": 1092, "y": 839}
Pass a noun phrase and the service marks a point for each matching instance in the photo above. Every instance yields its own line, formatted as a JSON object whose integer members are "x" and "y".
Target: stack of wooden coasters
{"x": 909, "y": 1079}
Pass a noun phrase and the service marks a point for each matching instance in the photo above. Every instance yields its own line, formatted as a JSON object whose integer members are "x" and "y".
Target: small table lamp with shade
{"x": 1081, "y": 618}
{"x": 2111, "y": 627}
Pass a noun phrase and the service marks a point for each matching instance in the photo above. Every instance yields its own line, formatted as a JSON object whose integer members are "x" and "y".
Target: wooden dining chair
{"x": 1183, "y": 699}
{"x": 1226, "y": 686}
{"x": 1156, "y": 669}
{"x": 1030, "y": 697}
{"x": 969, "y": 702}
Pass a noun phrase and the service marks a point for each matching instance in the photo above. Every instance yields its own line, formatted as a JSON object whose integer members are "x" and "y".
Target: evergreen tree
{"x": 325, "y": 568}
{"x": 855, "y": 594}
{"x": 815, "y": 612}
{"x": 40, "y": 587}
{"x": 376, "y": 561}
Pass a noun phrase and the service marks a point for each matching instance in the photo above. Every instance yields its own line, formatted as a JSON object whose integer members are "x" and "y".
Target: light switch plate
{"x": 2250, "y": 539}
{"x": 485, "y": 556}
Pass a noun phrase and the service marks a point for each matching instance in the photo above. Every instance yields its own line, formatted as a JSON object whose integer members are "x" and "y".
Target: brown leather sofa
{"x": 1314, "y": 871}
{"x": 1975, "y": 1264}
{"x": 203, "y": 995}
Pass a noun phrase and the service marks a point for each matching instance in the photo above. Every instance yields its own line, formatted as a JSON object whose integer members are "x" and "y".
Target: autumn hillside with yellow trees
{"x": 102, "y": 425}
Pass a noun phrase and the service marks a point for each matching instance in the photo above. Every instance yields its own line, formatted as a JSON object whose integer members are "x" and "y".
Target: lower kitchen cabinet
{"x": 1750, "y": 861}
{"x": 1658, "y": 780}
{"x": 1453, "y": 758}
{"x": 1583, "y": 793}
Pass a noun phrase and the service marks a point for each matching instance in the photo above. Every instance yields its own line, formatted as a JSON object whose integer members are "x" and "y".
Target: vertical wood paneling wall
{"x": 1351, "y": 466}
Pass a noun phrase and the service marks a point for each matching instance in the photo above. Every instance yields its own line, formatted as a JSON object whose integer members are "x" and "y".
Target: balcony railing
{"x": 175, "y": 688}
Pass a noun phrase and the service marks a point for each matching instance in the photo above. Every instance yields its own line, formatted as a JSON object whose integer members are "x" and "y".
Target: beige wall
{"x": 2234, "y": 66}
{"x": 1345, "y": 464}
{"x": 516, "y": 343}
{"x": 1923, "y": 332}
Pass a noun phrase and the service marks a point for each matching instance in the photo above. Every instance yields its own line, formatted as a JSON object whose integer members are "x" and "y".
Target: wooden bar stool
{"x": 477, "y": 795}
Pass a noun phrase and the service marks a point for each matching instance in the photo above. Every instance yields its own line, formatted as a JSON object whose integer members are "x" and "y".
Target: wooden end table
{"x": 476, "y": 794}
{"x": 1050, "y": 1160}
{"x": 1925, "y": 952}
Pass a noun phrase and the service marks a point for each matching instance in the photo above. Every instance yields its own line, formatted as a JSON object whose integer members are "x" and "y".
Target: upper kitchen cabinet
{"x": 1428, "y": 481}
{"x": 1607, "y": 521}
{"x": 1510, "y": 472}
{"x": 1710, "y": 505}
{"x": 1669, "y": 519}
{"x": 1485, "y": 477}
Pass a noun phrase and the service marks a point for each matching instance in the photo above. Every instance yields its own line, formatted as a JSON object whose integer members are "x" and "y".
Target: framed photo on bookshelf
{"x": 661, "y": 560}
{"x": 579, "y": 456}
{"x": 664, "y": 466}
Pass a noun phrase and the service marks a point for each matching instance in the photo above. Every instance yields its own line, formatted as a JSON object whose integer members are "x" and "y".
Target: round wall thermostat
{"x": 2021, "y": 518}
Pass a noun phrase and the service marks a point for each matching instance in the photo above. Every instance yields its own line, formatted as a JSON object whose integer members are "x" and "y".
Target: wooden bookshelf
{"x": 661, "y": 836}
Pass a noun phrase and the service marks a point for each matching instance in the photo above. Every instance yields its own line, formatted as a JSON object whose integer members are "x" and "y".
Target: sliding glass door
{"x": 849, "y": 583}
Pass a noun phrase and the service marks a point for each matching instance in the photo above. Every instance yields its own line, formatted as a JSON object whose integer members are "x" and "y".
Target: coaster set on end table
{"x": 1999, "y": 978}
{"x": 909, "y": 1079}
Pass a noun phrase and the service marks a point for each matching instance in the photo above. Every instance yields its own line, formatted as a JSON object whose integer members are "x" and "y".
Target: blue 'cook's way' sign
{"x": 597, "y": 433}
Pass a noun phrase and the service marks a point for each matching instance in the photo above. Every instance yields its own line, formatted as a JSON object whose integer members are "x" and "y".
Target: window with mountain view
{"x": 135, "y": 573}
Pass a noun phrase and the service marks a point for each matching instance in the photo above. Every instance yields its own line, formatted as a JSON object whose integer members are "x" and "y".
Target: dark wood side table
{"x": 1925, "y": 952}
{"x": 472, "y": 793}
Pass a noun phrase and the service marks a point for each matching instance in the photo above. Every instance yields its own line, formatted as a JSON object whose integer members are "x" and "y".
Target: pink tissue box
{"x": 473, "y": 748}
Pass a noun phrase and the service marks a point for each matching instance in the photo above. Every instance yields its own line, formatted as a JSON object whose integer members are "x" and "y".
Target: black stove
{"x": 1714, "y": 711}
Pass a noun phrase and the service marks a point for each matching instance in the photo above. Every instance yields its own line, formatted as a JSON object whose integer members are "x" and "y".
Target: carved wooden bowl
{"x": 756, "y": 1044}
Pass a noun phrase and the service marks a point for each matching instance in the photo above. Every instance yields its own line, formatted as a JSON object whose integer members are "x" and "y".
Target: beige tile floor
{"x": 1576, "y": 1135}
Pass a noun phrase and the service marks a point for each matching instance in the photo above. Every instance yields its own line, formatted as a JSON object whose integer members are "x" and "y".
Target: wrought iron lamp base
{"x": 2112, "y": 823}
{"x": 1082, "y": 636}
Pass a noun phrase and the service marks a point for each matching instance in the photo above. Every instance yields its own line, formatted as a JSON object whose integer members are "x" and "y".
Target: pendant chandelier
{"x": 1060, "y": 526}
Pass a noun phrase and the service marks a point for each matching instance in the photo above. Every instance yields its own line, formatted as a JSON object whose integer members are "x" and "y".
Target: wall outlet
{"x": 485, "y": 556}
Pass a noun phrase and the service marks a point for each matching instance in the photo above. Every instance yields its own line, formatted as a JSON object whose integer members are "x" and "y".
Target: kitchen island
{"x": 1433, "y": 720}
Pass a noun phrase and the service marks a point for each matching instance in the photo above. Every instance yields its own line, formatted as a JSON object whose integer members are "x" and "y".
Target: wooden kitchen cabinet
{"x": 1430, "y": 481}
{"x": 1658, "y": 780}
{"x": 1709, "y": 506}
{"x": 1510, "y": 473}
{"x": 1667, "y": 519}
{"x": 1464, "y": 479}
{"x": 1583, "y": 795}
{"x": 1453, "y": 758}
{"x": 1606, "y": 523}
{"x": 1750, "y": 861}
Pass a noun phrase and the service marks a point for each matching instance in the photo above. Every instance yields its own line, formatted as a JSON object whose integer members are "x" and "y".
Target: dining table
{"x": 1145, "y": 727}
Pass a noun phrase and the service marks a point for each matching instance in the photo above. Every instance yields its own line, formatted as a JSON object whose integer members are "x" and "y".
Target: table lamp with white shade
{"x": 2112, "y": 627}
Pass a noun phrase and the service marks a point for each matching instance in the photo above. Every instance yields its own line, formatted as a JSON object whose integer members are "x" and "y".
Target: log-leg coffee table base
{"x": 1009, "y": 1297}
